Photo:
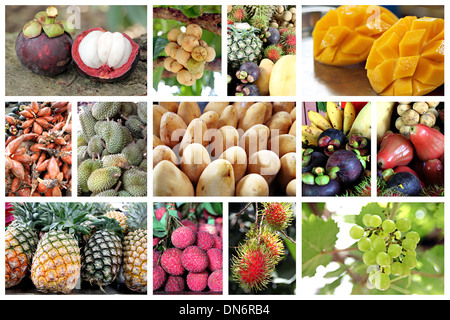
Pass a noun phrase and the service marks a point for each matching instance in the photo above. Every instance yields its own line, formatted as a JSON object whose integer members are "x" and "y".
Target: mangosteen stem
{"x": 52, "y": 13}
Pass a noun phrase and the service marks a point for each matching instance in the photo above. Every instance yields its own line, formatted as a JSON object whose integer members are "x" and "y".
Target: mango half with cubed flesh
{"x": 344, "y": 36}
{"x": 408, "y": 59}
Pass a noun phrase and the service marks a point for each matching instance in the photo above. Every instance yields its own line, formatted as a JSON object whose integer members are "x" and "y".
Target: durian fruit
{"x": 103, "y": 179}
{"x": 117, "y": 144}
{"x": 105, "y": 110}
{"x": 135, "y": 182}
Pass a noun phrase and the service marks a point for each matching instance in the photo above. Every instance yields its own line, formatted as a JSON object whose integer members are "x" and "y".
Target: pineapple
{"x": 56, "y": 264}
{"x": 120, "y": 217}
{"x": 243, "y": 44}
{"x": 102, "y": 255}
{"x": 135, "y": 248}
{"x": 21, "y": 240}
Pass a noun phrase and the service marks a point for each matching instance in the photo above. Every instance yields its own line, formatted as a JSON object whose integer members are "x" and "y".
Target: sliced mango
{"x": 345, "y": 35}
{"x": 408, "y": 59}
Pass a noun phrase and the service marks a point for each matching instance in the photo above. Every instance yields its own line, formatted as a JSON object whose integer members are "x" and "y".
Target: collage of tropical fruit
{"x": 220, "y": 201}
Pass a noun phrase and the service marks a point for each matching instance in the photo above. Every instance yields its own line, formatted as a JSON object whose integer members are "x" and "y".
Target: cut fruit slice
{"x": 408, "y": 59}
{"x": 345, "y": 35}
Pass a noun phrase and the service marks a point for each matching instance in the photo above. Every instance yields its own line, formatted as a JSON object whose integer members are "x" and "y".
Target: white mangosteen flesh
{"x": 99, "y": 49}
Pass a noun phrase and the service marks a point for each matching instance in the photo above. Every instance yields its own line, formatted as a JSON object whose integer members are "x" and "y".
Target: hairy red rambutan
{"x": 273, "y": 52}
{"x": 252, "y": 266}
{"x": 277, "y": 215}
{"x": 267, "y": 237}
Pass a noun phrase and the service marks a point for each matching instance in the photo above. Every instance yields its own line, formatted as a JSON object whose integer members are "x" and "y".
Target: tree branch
{"x": 208, "y": 21}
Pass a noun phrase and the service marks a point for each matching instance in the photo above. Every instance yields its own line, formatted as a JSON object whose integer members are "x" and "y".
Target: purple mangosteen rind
{"x": 346, "y": 165}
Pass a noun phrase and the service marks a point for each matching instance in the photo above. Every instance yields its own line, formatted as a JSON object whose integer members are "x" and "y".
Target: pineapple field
{"x": 76, "y": 248}
{"x": 261, "y": 50}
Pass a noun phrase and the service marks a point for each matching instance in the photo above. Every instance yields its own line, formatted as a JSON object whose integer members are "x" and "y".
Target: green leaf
{"x": 318, "y": 237}
{"x": 159, "y": 44}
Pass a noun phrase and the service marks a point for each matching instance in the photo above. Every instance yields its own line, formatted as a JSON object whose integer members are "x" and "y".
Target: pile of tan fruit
{"x": 226, "y": 149}
{"x": 187, "y": 54}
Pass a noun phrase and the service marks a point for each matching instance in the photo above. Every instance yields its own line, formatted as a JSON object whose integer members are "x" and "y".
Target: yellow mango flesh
{"x": 408, "y": 59}
{"x": 345, "y": 35}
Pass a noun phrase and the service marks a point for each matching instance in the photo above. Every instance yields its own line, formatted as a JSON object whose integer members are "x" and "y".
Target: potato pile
{"x": 228, "y": 149}
{"x": 413, "y": 113}
{"x": 187, "y": 54}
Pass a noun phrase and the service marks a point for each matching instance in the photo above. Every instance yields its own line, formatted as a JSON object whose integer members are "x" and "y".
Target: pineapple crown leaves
{"x": 137, "y": 215}
{"x": 28, "y": 214}
{"x": 107, "y": 223}
{"x": 243, "y": 30}
{"x": 67, "y": 217}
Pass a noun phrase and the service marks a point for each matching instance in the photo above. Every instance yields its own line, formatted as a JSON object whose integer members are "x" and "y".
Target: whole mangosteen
{"x": 44, "y": 44}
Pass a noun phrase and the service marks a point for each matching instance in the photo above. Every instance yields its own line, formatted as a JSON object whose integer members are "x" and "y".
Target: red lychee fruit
{"x": 194, "y": 259}
{"x": 156, "y": 258}
{"x": 159, "y": 213}
{"x": 218, "y": 243}
{"x": 197, "y": 281}
{"x": 204, "y": 240}
{"x": 215, "y": 281}
{"x": 174, "y": 284}
{"x": 183, "y": 237}
{"x": 191, "y": 224}
{"x": 212, "y": 229}
{"x": 159, "y": 277}
{"x": 215, "y": 257}
{"x": 171, "y": 261}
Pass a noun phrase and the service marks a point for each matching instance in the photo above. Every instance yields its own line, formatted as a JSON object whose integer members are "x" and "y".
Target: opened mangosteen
{"x": 105, "y": 56}
{"x": 44, "y": 44}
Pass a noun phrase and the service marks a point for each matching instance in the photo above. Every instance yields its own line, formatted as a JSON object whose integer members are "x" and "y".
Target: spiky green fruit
{"x": 106, "y": 193}
{"x": 113, "y": 135}
{"x": 135, "y": 182}
{"x": 95, "y": 146}
{"x": 133, "y": 153}
{"x": 87, "y": 122}
{"x": 135, "y": 125}
{"x": 103, "y": 179}
{"x": 128, "y": 108}
{"x": 273, "y": 52}
{"x": 116, "y": 160}
{"x": 142, "y": 111}
{"x": 84, "y": 171}
{"x": 105, "y": 110}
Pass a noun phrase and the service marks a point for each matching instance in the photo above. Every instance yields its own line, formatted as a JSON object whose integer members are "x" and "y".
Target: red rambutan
{"x": 277, "y": 215}
{"x": 273, "y": 52}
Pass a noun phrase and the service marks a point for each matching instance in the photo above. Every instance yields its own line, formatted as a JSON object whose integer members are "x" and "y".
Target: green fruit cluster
{"x": 389, "y": 248}
{"x": 112, "y": 149}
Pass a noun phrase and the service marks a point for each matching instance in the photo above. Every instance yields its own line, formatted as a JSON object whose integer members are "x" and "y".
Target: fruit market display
{"x": 261, "y": 50}
{"x": 45, "y": 46}
{"x": 70, "y": 247}
{"x": 410, "y": 154}
{"x": 336, "y": 150}
{"x": 224, "y": 149}
{"x": 112, "y": 149}
{"x": 38, "y": 149}
{"x": 187, "y": 248}
{"x": 389, "y": 247}
{"x": 187, "y": 54}
{"x": 402, "y": 56}
{"x": 264, "y": 246}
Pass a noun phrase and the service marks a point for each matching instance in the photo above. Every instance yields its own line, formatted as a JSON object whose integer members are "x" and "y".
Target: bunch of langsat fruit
{"x": 256, "y": 258}
{"x": 187, "y": 54}
{"x": 59, "y": 244}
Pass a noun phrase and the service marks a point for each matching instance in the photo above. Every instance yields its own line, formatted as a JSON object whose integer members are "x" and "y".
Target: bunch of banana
{"x": 336, "y": 118}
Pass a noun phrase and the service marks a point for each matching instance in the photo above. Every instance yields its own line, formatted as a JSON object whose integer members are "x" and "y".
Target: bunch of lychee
{"x": 193, "y": 262}
{"x": 187, "y": 54}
